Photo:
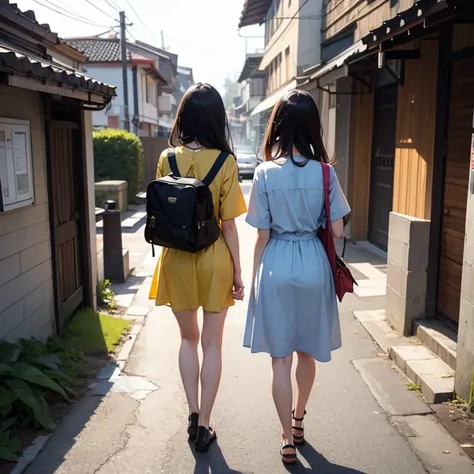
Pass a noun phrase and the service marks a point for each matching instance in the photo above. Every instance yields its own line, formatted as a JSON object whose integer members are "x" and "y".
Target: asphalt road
{"x": 347, "y": 430}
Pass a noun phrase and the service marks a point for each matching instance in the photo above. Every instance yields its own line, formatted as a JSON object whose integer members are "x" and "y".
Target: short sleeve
{"x": 259, "y": 211}
{"x": 337, "y": 201}
{"x": 232, "y": 202}
{"x": 160, "y": 168}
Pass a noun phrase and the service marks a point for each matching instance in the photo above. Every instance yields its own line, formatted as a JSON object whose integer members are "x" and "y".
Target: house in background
{"x": 48, "y": 258}
{"x": 185, "y": 81}
{"x": 291, "y": 44}
{"x": 169, "y": 95}
{"x": 252, "y": 92}
{"x": 144, "y": 83}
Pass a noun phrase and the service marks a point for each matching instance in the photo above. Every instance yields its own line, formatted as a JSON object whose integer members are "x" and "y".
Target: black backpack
{"x": 180, "y": 210}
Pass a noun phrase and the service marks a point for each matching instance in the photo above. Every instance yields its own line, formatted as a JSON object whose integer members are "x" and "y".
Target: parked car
{"x": 247, "y": 161}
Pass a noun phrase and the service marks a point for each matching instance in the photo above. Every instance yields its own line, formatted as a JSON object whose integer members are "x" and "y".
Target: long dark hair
{"x": 295, "y": 123}
{"x": 202, "y": 118}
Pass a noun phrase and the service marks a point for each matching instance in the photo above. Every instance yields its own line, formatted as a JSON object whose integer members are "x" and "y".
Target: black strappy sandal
{"x": 193, "y": 420}
{"x": 288, "y": 458}
{"x": 298, "y": 432}
{"x": 205, "y": 437}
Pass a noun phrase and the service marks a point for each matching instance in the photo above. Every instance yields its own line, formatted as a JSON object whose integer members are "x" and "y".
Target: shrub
{"x": 32, "y": 373}
{"x": 119, "y": 155}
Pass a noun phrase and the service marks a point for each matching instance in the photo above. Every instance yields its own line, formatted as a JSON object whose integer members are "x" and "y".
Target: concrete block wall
{"x": 407, "y": 265}
{"x": 465, "y": 350}
{"x": 26, "y": 285}
{"x": 116, "y": 190}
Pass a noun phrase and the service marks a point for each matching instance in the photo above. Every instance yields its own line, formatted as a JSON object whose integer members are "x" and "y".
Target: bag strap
{"x": 173, "y": 164}
{"x": 326, "y": 186}
{"x": 327, "y": 206}
{"x": 215, "y": 168}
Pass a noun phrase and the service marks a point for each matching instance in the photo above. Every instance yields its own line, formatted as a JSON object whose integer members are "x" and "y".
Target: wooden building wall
{"x": 416, "y": 133}
{"x": 369, "y": 15}
{"x": 359, "y": 164}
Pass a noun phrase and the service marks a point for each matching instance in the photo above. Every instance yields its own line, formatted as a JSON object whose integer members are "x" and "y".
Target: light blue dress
{"x": 293, "y": 304}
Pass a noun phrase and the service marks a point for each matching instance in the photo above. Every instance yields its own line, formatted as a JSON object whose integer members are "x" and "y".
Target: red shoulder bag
{"x": 343, "y": 280}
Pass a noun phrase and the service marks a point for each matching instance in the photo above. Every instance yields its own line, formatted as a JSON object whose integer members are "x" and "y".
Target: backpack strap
{"x": 173, "y": 164}
{"x": 216, "y": 167}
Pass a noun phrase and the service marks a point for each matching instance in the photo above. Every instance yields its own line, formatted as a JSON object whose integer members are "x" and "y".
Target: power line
{"x": 197, "y": 47}
{"x": 130, "y": 34}
{"x": 139, "y": 19}
{"x": 69, "y": 11}
{"x": 111, "y": 4}
{"x": 87, "y": 22}
{"x": 97, "y": 8}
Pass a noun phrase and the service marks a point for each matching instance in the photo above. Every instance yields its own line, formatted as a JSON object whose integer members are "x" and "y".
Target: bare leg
{"x": 282, "y": 394}
{"x": 188, "y": 356}
{"x": 305, "y": 374}
{"x": 212, "y": 332}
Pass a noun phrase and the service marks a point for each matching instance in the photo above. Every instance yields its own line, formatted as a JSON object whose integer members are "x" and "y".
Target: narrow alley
{"x": 359, "y": 417}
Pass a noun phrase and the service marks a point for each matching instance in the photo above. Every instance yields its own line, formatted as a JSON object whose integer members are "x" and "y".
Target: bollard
{"x": 113, "y": 252}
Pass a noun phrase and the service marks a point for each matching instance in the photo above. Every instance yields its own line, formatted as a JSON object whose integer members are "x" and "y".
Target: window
{"x": 338, "y": 43}
{"x": 256, "y": 88}
{"x": 287, "y": 64}
{"x": 332, "y": 95}
{"x": 113, "y": 121}
{"x": 279, "y": 68}
{"x": 151, "y": 91}
{"x": 16, "y": 180}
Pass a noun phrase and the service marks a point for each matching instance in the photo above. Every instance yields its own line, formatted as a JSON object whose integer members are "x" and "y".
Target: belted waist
{"x": 294, "y": 237}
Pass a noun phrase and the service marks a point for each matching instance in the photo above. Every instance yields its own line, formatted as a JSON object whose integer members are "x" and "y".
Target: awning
{"x": 252, "y": 61}
{"x": 337, "y": 68}
{"x": 17, "y": 62}
{"x": 254, "y": 12}
{"x": 272, "y": 99}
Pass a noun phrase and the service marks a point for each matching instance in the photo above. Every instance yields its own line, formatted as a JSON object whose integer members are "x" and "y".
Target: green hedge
{"x": 119, "y": 155}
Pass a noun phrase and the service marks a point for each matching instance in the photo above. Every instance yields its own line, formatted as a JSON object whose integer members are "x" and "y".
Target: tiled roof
{"x": 18, "y": 62}
{"x": 254, "y": 12}
{"x": 99, "y": 50}
{"x": 28, "y": 19}
{"x": 108, "y": 50}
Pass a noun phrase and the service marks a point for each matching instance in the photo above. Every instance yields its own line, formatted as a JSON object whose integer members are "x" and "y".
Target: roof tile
{"x": 99, "y": 50}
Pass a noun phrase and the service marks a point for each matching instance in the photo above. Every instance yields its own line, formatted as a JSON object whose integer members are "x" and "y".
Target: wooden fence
{"x": 152, "y": 148}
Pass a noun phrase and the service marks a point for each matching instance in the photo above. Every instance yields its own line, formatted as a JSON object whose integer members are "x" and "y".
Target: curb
{"x": 137, "y": 314}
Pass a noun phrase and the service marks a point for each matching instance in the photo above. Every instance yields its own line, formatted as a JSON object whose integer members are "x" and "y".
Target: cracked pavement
{"x": 361, "y": 418}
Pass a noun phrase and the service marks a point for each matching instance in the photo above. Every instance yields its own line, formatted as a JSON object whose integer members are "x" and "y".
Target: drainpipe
{"x": 136, "y": 111}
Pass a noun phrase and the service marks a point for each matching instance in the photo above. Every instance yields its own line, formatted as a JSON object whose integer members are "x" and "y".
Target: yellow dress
{"x": 184, "y": 280}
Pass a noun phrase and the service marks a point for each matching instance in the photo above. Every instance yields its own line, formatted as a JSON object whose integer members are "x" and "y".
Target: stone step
{"x": 375, "y": 323}
{"x": 424, "y": 368}
{"x": 439, "y": 338}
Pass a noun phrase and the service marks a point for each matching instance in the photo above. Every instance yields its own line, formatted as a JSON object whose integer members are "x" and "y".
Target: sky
{"x": 204, "y": 33}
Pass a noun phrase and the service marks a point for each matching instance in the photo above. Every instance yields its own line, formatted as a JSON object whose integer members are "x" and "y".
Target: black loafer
{"x": 205, "y": 437}
{"x": 193, "y": 419}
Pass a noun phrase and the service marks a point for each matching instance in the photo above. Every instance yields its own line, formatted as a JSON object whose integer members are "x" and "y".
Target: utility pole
{"x": 123, "y": 44}
{"x": 163, "y": 40}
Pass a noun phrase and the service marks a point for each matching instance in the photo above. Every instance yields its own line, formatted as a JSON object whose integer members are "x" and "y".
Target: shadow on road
{"x": 215, "y": 463}
{"x": 212, "y": 462}
{"x": 318, "y": 463}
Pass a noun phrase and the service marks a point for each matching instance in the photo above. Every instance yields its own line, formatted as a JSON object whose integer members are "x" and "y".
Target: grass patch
{"x": 95, "y": 333}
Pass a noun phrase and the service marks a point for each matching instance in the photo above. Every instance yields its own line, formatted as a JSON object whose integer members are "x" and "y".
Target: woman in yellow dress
{"x": 210, "y": 279}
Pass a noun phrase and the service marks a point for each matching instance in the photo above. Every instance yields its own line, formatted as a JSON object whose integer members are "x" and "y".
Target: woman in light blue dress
{"x": 293, "y": 305}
